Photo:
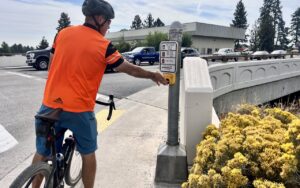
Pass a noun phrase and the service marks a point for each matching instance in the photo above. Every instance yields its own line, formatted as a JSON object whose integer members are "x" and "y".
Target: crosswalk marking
{"x": 7, "y": 141}
{"x": 20, "y": 74}
{"x": 101, "y": 116}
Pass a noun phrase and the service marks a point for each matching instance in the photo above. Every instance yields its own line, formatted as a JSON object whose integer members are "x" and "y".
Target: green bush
{"x": 254, "y": 147}
{"x": 187, "y": 40}
{"x": 123, "y": 47}
{"x": 155, "y": 39}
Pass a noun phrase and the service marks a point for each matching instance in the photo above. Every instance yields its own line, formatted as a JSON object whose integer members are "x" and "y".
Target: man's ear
{"x": 100, "y": 19}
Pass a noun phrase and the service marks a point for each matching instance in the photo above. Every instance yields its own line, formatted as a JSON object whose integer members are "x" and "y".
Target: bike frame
{"x": 51, "y": 138}
{"x": 54, "y": 171}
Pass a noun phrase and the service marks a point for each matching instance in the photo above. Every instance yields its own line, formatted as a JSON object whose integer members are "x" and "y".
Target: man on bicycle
{"x": 79, "y": 57}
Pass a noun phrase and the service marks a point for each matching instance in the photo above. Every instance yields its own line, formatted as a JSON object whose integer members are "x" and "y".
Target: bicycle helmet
{"x": 98, "y": 7}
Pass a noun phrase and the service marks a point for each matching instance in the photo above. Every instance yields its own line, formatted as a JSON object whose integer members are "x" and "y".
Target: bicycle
{"x": 57, "y": 169}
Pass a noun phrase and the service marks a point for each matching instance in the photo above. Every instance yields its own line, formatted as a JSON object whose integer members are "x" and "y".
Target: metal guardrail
{"x": 225, "y": 58}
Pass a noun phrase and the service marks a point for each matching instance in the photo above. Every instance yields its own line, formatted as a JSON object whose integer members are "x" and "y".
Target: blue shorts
{"x": 84, "y": 128}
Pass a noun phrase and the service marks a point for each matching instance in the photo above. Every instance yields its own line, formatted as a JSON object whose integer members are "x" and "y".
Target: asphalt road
{"x": 21, "y": 91}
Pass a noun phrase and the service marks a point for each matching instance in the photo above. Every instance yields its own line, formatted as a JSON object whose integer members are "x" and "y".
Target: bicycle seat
{"x": 52, "y": 116}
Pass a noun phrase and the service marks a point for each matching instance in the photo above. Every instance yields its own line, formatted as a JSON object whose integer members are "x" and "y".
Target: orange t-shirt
{"x": 81, "y": 55}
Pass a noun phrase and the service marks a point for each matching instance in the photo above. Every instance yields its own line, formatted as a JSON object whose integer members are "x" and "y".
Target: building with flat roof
{"x": 207, "y": 38}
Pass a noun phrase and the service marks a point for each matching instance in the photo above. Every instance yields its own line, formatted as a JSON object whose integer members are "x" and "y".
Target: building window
{"x": 209, "y": 51}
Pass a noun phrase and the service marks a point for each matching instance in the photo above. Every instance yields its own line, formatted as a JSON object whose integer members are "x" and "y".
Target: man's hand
{"x": 138, "y": 72}
{"x": 159, "y": 79}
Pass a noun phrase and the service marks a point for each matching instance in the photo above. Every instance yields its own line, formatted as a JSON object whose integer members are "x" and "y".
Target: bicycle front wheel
{"x": 74, "y": 169}
{"x": 40, "y": 170}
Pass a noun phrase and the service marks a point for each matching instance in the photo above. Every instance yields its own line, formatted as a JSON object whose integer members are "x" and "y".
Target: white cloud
{"x": 27, "y": 21}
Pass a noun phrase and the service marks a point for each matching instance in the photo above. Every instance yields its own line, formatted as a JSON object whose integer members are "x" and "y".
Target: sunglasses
{"x": 108, "y": 21}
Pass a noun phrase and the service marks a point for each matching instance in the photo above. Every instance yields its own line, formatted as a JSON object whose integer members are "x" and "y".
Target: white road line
{"x": 27, "y": 76}
{"x": 20, "y": 74}
{"x": 7, "y": 141}
{"x": 101, "y": 97}
{"x": 17, "y": 67}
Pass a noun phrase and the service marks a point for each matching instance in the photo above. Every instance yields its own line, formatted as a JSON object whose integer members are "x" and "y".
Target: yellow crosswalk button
{"x": 101, "y": 116}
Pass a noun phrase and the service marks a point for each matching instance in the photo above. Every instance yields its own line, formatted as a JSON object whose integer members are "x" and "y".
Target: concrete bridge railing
{"x": 222, "y": 86}
{"x": 253, "y": 82}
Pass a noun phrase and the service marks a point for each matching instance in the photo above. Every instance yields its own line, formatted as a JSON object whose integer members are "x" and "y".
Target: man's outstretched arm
{"x": 138, "y": 72}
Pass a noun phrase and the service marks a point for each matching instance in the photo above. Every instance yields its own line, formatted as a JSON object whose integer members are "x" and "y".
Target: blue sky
{"x": 27, "y": 21}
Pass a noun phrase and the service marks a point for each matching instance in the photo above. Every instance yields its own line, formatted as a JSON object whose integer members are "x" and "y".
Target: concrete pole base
{"x": 171, "y": 166}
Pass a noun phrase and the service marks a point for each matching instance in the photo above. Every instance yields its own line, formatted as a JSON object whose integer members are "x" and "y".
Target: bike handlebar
{"x": 111, "y": 105}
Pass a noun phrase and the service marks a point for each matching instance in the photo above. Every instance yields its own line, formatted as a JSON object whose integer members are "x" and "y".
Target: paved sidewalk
{"x": 128, "y": 148}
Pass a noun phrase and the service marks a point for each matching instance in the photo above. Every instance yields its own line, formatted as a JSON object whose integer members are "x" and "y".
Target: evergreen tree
{"x": 266, "y": 30}
{"x": 149, "y": 21}
{"x": 20, "y": 48}
{"x": 254, "y": 39}
{"x": 282, "y": 36}
{"x": 278, "y": 22}
{"x": 158, "y": 23}
{"x": 240, "y": 16}
{"x": 5, "y": 48}
{"x": 240, "y": 20}
{"x": 64, "y": 21}
{"x": 27, "y": 48}
{"x": 43, "y": 44}
{"x": 295, "y": 27}
{"x": 14, "y": 48}
{"x": 136, "y": 23}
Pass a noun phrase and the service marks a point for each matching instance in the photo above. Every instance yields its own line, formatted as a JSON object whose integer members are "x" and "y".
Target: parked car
{"x": 260, "y": 55}
{"x": 39, "y": 59}
{"x": 275, "y": 52}
{"x": 188, "y": 52}
{"x": 278, "y": 54}
{"x": 140, "y": 54}
{"x": 294, "y": 50}
{"x": 226, "y": 54}
{"x": 226, "y": 51}
{"x": 247, "y": 52}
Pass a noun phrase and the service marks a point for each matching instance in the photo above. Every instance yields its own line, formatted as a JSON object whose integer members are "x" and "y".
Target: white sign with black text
{"x": 168, "y": 56}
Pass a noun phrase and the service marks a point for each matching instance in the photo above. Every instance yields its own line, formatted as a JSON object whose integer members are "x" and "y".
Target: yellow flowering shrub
{"x": 253, "y": 147}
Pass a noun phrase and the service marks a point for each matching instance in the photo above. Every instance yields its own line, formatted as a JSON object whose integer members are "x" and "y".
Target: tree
{"x": 158, "y": 23}
{"x": 295, "y": 27}
{"x": 14, "y": 48}
{"x": 282, "y": 37}
{"x": 254, "y": 39}
{"x": 122, "y": 45}
{"x": 136, "y": 23}
{"x": 278, "y": 23}
{"x": 240, "y": 20}
{"x": 64, "y": 21}
{"x": 149, "y": 21}
{"x": 27, "y": 48}
{"x": 240, "y": 16}
{"x": 155, "y": 39}
{"x": 4, "y": 48}
{"x": 43, "y": 44}
{"x": 266, "y": 30}
{"x": 187, "y": 40}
